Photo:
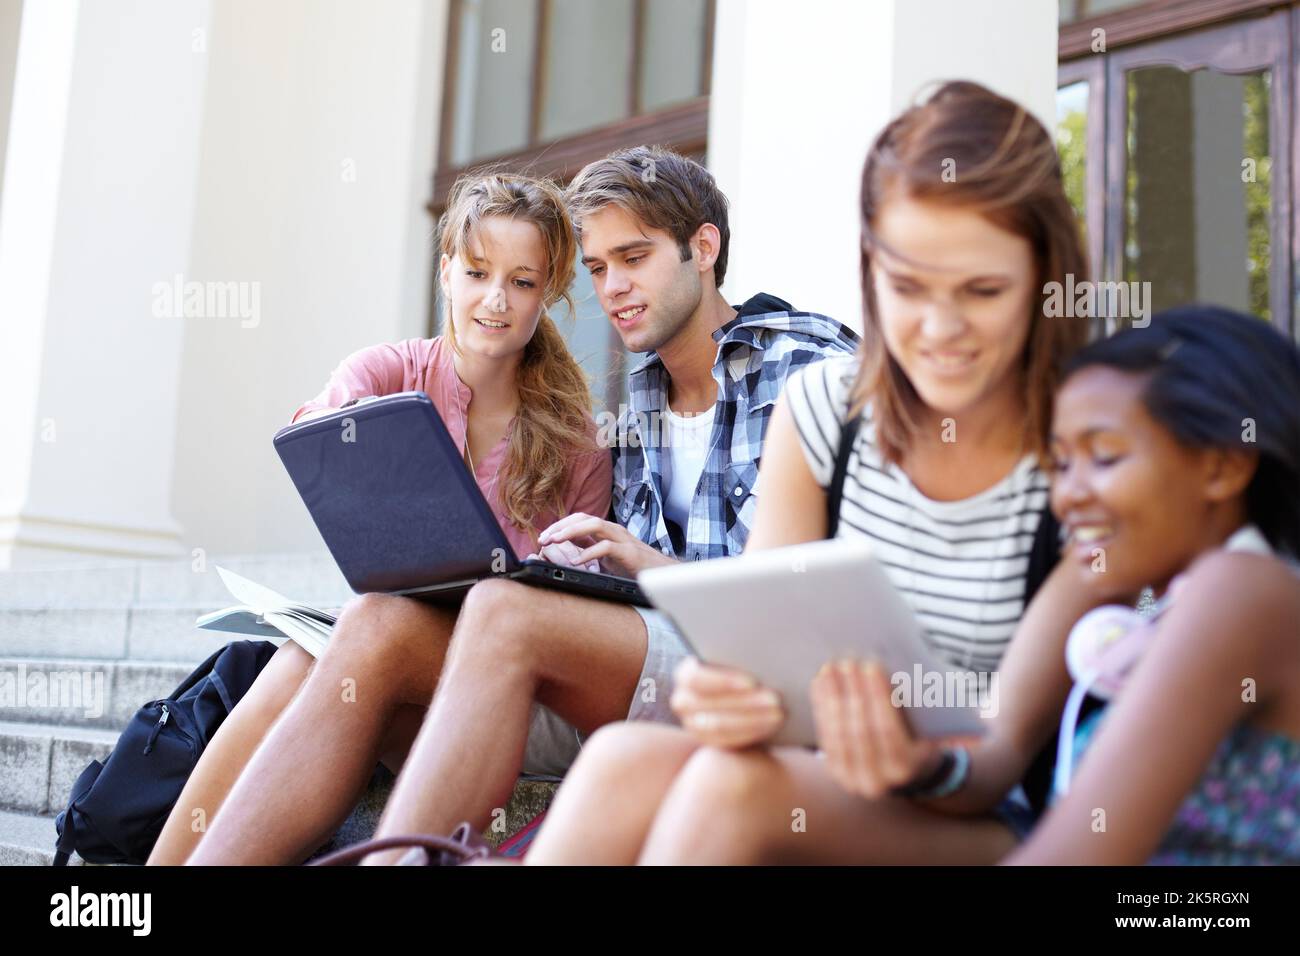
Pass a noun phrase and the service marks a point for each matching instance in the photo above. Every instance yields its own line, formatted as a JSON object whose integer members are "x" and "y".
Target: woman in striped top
{"x": 965, "y": 224}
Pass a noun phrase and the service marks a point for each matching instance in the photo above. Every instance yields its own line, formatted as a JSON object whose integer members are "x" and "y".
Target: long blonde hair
{"x": 552, "y": 423}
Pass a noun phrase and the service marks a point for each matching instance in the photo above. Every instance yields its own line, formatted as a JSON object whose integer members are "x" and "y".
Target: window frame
{"x": 1153, "y": 20}
{"x": 682, "y": 126}
{"x": 1229, "y": 36}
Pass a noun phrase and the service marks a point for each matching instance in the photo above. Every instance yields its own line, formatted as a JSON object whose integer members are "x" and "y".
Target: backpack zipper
{"x": 157, "y": 729}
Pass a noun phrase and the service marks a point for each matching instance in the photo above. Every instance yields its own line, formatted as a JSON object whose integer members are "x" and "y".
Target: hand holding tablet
{"x": 781, "y": 614}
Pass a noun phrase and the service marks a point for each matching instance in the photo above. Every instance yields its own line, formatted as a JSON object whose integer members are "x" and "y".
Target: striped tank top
{"x": 961, "y": 564}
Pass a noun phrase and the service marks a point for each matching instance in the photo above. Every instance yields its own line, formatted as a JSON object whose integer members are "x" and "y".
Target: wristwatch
{"x": 949, "y": 777}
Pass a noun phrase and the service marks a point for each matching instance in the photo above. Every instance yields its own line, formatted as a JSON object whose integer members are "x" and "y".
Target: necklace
{"x": 469, "y": 454}
{"x": 473, "y": 469}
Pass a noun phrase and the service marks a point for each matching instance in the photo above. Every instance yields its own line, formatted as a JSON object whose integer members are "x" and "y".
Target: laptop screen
{"x": 392, "y": 497}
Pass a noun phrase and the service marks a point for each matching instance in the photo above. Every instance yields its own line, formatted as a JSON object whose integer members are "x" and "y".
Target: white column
{"x": 97, "y": 207}
{"x": 799, "y": 95}
{"x": 318, "y": 143}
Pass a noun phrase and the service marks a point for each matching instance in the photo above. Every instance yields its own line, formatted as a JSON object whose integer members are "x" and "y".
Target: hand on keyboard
{"x": 565, "y": 554}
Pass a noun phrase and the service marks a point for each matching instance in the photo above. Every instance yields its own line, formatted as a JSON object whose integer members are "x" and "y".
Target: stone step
{"x": 39, "y": 763}
{"x": 145, "y": 611}
{"x": 141, "y": 633}
{"x": 27, "y": 839}
{"x": 83, "y": 647}
{"x": 83, "y": 692}
{"x": 311, "y": 577}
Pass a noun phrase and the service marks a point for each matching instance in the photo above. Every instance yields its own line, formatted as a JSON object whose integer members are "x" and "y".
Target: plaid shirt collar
{"x": 757, "y": 350}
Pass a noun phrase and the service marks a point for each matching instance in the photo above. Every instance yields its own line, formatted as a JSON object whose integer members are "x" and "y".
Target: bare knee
{"x": 731, "y": 793}
{"x": 278, "y": 681}
{"x": 627, "y": 754}
{"x": 385, "y": 636}
{"x": 498, "y": 621}
{"x": 621, "y": 776}
{"x": 500, "y": 604}
{"x": 291, "y": 660}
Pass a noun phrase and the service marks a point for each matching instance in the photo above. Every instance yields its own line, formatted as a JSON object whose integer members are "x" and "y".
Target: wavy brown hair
{"x": 552, "y": 424}
{"x": 659, "y": 188}
{"x": 1008, "y": 171}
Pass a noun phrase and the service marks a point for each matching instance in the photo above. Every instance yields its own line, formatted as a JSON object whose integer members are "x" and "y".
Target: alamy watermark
{"x": 129, "y": 910}
{"x": 1088, "y": 300}
{"x": 179, "y": 299}
{"x": 628, "y": 429}
{"x": 923, "y": 688}
{"x": 22, "y": 687}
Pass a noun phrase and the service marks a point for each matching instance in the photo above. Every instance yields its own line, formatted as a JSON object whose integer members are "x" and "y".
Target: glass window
{"x": 588, "y": 56}
{"x": 1198, "y": 187}
{"x": 672, "y": 52}
{"x": 527, "y": 72}
{"x": 1071, "y": 143}
{"x": 492, "y": 107}
{"x": 1072, "y": 11}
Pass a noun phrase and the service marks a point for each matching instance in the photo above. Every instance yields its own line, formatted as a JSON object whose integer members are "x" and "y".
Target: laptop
{"x": 400, "y": 512}
{"x": 780, "y": 614}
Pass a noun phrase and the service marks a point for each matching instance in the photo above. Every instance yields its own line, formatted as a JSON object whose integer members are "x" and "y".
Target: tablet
{"x": 781, "y": 614}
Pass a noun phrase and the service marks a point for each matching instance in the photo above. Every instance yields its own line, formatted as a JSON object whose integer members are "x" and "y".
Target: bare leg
{"x": 781, "y": 806}
{"x": 229, "y": 751}
{"x": 607, "y": 804}
{"x": 512, "y": 644}
{"x": 385, "y": 654}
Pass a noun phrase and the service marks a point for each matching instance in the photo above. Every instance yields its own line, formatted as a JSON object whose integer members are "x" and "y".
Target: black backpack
{"x": 118, "y": 807}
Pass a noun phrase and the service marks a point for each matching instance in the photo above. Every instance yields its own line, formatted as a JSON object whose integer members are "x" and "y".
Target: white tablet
{"x": 781, "y": 614}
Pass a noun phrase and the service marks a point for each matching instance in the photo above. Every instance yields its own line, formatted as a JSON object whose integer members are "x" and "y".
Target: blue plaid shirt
{"x": 757, "y": 350}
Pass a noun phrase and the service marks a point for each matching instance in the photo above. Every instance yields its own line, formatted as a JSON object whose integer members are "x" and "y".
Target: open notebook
{"x": 264, "y": 613}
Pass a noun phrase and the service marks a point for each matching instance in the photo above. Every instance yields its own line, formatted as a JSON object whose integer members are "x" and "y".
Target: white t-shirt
{"x": 688, "y": 448}
{"x": 961, "y": 565}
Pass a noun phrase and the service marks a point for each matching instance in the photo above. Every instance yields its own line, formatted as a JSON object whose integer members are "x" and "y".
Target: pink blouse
{"x": 425, "y": 365}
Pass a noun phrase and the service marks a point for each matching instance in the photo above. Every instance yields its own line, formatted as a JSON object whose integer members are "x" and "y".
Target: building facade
{"x": 206, "y": 204}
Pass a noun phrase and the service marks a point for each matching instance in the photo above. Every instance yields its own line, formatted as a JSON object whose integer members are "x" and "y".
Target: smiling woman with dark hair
{"x": 1177, "y": 456}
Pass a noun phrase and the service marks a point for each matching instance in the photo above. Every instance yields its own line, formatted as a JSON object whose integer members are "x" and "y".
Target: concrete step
{"x": 39, "y": 763}
{"x": 312, "y": 577}
{"x": 145, "y": 611}
{"x": 140, "y": 633}
{"x": 83, "y": 692}
{"x": 83, "y": 647}
{"x": 27, "y": 839}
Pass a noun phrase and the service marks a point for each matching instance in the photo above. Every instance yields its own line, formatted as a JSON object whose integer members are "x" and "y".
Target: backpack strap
{"x": 835, "y": 490}
{"x": 1044, "y": 554}
{"x": 67, "y": 820}
{"x": 67, "y": 841}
